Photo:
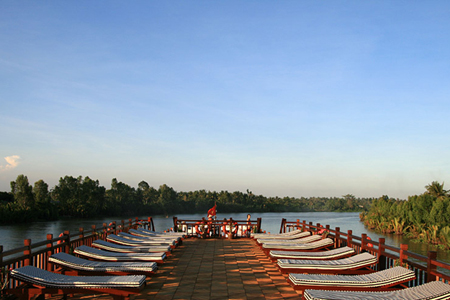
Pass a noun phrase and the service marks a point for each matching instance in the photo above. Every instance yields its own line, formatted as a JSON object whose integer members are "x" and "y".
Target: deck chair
{"x": 124, "y": 241}
{"x": 303, "y": 240}
{"x": 97, "y": 254}
{"x": 381, "y": 280}
{"x": 146, "y": 233}
{"x": 292, "y": 237}
{"x": 72, "y": 265}
{"x": 274, "y": 235}
{"x": 101, "y": 244}
{"x": 170, "y": 233}
{"x": 40, "y": 282}
{"x": 336, "y": 253}
{"x": 164, "y": 239}
{"x": 357, "y": 264}
{"x": 429, "y": 291}
{"x": 313, "y": 246}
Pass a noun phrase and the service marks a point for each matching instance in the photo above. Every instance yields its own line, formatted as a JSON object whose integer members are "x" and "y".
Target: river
{"x": 12, "y": 236}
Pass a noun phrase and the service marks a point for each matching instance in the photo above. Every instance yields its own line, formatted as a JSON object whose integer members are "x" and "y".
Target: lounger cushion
{"x": 124, "y": 241}
{"x": 430, "y": 291}
{"x": 305, "y": 246}
{"x": 330, "y": 254}
{"x": 81, "y": 264}
{"x": 377, "y": 279}
{"x": 127, "y": 249}
{"x": 353, "y": 262}
{"x": 117, "y": 256}
{"x": 33, "y": 275}
{"x": 303, "y": 240}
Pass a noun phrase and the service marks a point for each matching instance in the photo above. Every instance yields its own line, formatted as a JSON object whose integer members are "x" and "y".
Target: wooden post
{"x": 81, "y": 230}
{"x": 298, "y": 224}
{"x": 130, "y": 224}
{"x": 381, "y": 257}
{"x": 175, "y": 224}
{"x": 152, "y": 227}
{"x": 27, "y": 252}
{"x": 432, "y": 255}
{"x": 258, "y": 225}
{"x": 48, "y": 266}
{"x": 363, "y": 242}
{"x": 1, "y": 255}
{"x": 283, "y": 227}
{"x": 304, "y": 226}
{"x": 317, "y": 227}
{"x": 94, "y": 232}
{"x": 230, "y": 235}
{"x": 104, "y": 233}
{"x": 403, "y": 257}
{"x": 349, "y": 238}
{"x": 337, "y": 238}
{"x": 123, "y": 225}
{"x": 67, "y": 241}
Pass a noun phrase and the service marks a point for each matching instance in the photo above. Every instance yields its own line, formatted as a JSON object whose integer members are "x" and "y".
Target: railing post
{"x": 175, "y": 224}
{"x": 105, "y": 231}
{"x": 67, "y": 241}
{"x": 94, "y": 231}
{"x": 403, "y": 257}
{"x": 258, "y": 225}
{"x": 337, "y": 237}
{"x": 114, "y": 227}
{"x": 230, "y": 235}
{"x": 27, "y": 252}
{"x": 1, "y": 255}
{"x": 304, "y": 226}
{"x": 381, "y": 257}
{"x": 298, "y": 224}
{"x": 363, "y": 241}
{"x": 130, "y": 224}
{"x": 123, "y": 226}
{"x": 81, "y": 230}
{"x": 153, "y": 224}
{"x": 48, "y": 265}
{"x": 432, "y": 255}
{"x": 282, "y": 227}
{"x": 349, "y": 238}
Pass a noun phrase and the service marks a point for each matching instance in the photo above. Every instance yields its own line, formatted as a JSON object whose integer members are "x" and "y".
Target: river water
{"x": 12, "y": 236}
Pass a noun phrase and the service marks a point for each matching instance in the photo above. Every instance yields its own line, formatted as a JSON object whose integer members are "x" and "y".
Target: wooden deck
{"x": 216, "y": 269}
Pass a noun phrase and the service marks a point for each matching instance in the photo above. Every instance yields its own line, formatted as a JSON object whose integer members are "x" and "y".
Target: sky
{"x": 283, "y": 98}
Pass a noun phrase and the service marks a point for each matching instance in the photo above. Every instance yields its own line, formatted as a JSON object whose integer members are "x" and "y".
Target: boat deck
{"x": 216, "y": 269}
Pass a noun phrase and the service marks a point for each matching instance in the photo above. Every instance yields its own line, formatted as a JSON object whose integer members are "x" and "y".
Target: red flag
{"x": 212, "y": 211}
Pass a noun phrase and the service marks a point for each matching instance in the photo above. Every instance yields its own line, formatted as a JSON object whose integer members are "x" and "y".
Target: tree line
{"x": 84, "y": 197}
{"x": 424, "y": 217}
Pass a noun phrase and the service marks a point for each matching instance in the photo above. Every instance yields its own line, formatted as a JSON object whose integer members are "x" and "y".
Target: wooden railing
{"x": 37, "y": 254}
{"x": 427, "y": 268}
{"x": 227, "y": 228}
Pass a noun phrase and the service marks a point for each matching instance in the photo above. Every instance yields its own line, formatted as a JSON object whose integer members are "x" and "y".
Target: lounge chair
{"x": 274, "y": 235}
{"x": 77, "y": 266}
{"x": 147, "y": 233}
{"x": 124, "y": 241}
{"x": 357, "y": 264}
{"x": 163, "y": 239}
{"x": 313, "y": 246}
{"x": 171, "y": 233}
{"x": 336, "y": 253}
{"x": 40, "y": 282}
{"x": 98, "y": 254}
{"x": 307, "y": 239}
{"x": 429, "y": 291}
{"x": 381, "y": 280}
{"x": 101, "y": 244}
{"x": 292, "y": 237}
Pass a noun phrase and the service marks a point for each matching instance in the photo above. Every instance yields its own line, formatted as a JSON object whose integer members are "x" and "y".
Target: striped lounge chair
{"x": 357, "y": 264}
{"x": 303, "y": 240}
{"x": 125, "y": 241}
{"x": 101, "y": 244}
{"x": 146, "y": 233}
{"x": 435, "y": 290}
{"x": 275, "y": 235}
{"x": 312, "y": 246}
{"x": 78, "y": 266}
{"x": 292, "y": 237}
{"x": 381, "y": 280}
{"x": 170, "y": 233}
{"x": 336, "y": 253}
{"x": 40, "y": 282}
{"x": 164, "y": 239}
{"x": 98, "y": 254}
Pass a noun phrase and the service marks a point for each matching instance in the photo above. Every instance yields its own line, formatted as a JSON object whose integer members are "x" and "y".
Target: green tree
{"x": 22, "y": 191}
{"x": 436, "y": 189}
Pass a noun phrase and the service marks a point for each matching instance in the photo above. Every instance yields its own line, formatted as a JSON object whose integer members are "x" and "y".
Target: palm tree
{"x": 436, "y": 189}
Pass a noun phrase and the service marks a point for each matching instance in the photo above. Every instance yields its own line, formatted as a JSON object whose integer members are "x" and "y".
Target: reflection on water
{"x": 12, "y": 236}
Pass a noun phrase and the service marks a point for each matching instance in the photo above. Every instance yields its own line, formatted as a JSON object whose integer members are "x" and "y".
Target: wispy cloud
{"x": 11, "y": 162}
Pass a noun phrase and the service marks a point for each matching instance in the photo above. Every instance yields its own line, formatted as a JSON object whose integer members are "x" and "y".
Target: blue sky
{"x": 284, "y": 98}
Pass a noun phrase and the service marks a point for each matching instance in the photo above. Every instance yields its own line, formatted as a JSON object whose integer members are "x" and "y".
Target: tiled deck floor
{"x": 218, "y": 269}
